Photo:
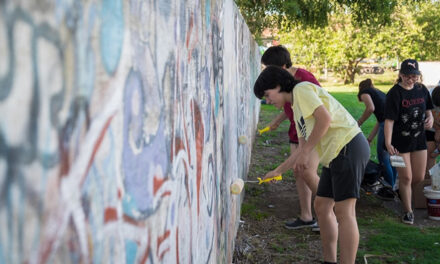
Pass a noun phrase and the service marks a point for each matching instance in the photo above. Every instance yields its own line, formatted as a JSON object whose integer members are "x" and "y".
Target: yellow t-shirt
{"x": 343, "y": 127}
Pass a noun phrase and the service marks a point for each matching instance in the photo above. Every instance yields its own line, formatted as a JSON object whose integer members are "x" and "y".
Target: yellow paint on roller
{"x": 242, "y": 140}
{"x": 237, "y": 186}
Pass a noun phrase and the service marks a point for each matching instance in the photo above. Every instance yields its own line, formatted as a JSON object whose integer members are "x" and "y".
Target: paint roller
{"x": 242, "y": 140}
{"x": 238, "y": 184}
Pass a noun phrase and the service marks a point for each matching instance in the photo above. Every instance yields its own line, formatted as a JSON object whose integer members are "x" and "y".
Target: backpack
{"x": 372, "y": 173}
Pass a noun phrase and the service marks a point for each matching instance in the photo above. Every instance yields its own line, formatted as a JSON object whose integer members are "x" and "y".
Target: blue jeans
{"x": 384, "y": 158}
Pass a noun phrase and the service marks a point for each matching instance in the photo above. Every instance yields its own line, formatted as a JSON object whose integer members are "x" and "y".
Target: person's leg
{"x": 310, "y": 175}
{"x": 345, "y": 212}
{"x": 413, "y": 173}
{"x": 329, "y": 227}
{"x": 418, "y": 159}
{"x": 431, "y": 155}
{"x": 304, "y": 193}
{"x": 347, "y": 170}
{"x": 384, "y": 157}
{"x": 405, "y": 182}
{"x": 305, "y": 199}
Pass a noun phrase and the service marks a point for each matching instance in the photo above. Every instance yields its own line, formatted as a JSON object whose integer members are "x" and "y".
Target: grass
{"x": 381, "y": 81}
{"x": 277, "y": 248}
{"x": 250, "y": 210}
{"x": 394, "y": 242}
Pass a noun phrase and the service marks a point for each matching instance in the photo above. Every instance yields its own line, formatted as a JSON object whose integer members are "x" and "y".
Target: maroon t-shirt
{"x": 303, "y": 76}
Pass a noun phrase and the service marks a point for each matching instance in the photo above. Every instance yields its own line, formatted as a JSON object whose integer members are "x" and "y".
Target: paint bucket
{"x": 435, "y": 177}
{"x": 433, "y": 202}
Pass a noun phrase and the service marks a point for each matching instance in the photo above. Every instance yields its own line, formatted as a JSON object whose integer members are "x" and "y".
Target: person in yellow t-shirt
{"x": 325, "y": 125}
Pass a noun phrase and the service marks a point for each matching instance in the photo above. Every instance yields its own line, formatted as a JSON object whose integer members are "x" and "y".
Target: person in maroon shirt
{"x": 307, "y": 181}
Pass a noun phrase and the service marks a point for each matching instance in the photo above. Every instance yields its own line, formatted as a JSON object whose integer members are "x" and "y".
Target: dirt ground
{"x": 262, "y": 237}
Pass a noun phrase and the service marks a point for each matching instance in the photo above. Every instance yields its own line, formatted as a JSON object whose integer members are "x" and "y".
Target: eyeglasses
{"x": 410, "y": 76}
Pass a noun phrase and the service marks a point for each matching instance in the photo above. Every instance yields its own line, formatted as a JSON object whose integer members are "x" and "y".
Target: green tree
{"x": 281, "y": 14}
{"x": 340, "y": 46}
{"x": 428, "y": 18}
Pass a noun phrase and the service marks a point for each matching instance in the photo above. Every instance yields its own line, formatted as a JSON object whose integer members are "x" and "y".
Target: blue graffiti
{"x": 112, "y": 34}
{"x": 137, "y": 154}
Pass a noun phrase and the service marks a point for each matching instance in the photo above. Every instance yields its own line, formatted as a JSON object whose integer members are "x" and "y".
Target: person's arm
{"x": 301, "y": 141}
{"x": 388, "y": 132}
{"x": 277, "y": 121}
{"x": 287, "y": 164}
{"x": 369, "y": 108}
{"x": 429, "y": 120}
{"x": 283, "y": 167}
{"x": 436, "y": 126}
{"x": 373, "y": 133}
{"x": 322, "y": 123}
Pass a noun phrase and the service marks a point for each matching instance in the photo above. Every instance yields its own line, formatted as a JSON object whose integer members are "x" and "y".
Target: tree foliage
{"x": 261, "y": 14}
{"x": 338, "y": 34}
{"x": 411, "y": 33}
{"x": 428, "y": 18}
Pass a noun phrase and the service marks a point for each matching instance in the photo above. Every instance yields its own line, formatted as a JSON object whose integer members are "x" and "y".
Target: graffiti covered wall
{"x": 119, "y": 129}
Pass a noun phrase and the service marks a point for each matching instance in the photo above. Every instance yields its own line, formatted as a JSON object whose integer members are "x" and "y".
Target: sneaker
{"x": 316, "y": 228}
{"x": 298, "y": 223}
{"x": 386, "y": 194}
{"x": 408, "y": 218}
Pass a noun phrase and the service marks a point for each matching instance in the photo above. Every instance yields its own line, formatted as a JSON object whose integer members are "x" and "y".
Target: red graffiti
{"x": 160, "y": 240}
{"x": 110, "y": 214}
{"x": 198, "y": 125}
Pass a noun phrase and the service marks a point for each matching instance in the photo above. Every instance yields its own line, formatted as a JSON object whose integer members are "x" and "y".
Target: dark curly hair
{"x": 271, "y": 77}
{"x": 435, "y": 95}
{"x": 276, "y": 55}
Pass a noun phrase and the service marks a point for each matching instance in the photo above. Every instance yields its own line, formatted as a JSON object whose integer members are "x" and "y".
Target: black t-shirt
{"x": 407, "y": 109}
{"x": 378, "y": 98}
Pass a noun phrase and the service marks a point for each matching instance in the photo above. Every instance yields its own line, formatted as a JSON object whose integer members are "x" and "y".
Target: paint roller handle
{"x": 276, "y": 178}
{"x": 261, "y": 131}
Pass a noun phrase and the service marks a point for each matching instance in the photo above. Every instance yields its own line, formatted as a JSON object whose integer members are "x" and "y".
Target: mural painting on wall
{"x": 119, "y": 137}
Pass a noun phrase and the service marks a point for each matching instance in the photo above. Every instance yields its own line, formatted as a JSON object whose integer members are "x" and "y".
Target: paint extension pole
{"x": 238, "y": 184}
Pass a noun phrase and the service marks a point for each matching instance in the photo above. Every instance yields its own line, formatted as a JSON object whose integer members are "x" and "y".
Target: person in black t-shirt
{"x": 407, "y": 114}
{"x": 374, "y": 100}
{"x": 433, "y": 134}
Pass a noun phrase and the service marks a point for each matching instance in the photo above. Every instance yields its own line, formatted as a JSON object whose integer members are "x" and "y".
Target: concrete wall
{"x": 119, "y": 129}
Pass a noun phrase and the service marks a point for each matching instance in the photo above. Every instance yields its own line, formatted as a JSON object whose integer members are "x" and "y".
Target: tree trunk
{"x": 350, "y": 73}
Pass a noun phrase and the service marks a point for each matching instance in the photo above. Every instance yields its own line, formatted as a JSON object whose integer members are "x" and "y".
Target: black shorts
{"x": 405, "y": 144}
{"x": 342, "y": 179}
{"x": 430, "y": 135}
